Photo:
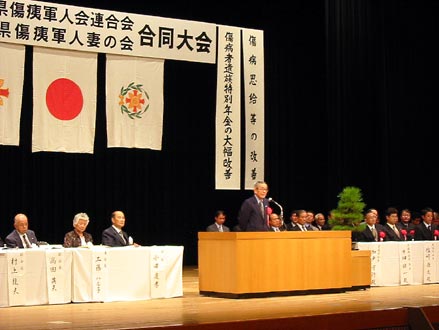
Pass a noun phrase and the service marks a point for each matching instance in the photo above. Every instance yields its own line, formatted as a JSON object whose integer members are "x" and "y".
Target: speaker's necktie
{"x": 261, "y": 206}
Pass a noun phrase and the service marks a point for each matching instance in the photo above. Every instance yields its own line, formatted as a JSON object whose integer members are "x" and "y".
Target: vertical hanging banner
{"x": 64, "y": 85}
{"x": 253, "y": 50}
{"x": 134, "y": 102}
{"x": 228, "y": 109}
{"x": 11, "y": 92}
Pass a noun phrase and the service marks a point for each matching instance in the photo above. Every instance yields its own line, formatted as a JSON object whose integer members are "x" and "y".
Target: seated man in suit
{"x": 301, "y": 216}
{"x": 293, "y": 217}
{"x": 320, "y": 222}
{"x": 374, "y": 232}
{"x": 392, "y": 231}
{"x": 405, "y": 220}
{"x": 114, "y": 235}
{"x": 405, "y": 224}
{"x": 275, "y": 223}
{"x": 218, "y": 225}
{"x": 21, "y": 237}
{"x": 425, "y": 230}
{"x": 309, "y": 221}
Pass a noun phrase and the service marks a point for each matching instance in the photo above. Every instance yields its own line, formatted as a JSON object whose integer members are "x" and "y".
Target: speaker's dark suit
{"x": 367, "y": 236}
{"x": 111, "y": 237}
{"x": 250, "y": 217}
{"x": 423, "y": 234}
{"x": 13, "y": 240}
{"x": 391, "y": 235}
{"x": 1, "y": 243}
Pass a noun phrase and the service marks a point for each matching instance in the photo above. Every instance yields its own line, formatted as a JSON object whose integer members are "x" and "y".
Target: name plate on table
{"x": 405, "y": 263}
{"x": 99, "y": 273}
{"x": 16, "y": 278}
{"x": 158, "y": 275}
{"x": 430, "y": 262}
{"x": 166, "y": 271}
{"x": 56, "y": 276}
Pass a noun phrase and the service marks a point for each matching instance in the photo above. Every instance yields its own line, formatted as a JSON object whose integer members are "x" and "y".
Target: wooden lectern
{"x": 249, "y": 264}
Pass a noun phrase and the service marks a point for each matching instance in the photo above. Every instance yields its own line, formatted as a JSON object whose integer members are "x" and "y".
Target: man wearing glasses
{"x": 253, "y": 212}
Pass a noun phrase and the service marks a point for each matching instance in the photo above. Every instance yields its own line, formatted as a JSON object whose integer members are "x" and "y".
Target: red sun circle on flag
{"x": 64, "y": 99}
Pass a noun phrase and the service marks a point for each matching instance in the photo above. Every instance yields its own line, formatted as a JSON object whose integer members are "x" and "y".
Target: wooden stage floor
{"x": 376, "y": 307}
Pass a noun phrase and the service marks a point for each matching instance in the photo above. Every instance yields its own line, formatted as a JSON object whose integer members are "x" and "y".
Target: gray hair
{"x": 79, "y": 216}
{"x": 260, "y": 183}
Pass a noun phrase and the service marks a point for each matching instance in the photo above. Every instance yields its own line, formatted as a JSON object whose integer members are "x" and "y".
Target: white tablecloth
{"x": 127, "y": 273}
{"x": 35, "y": 276}
{"x": 403, "y": 263}
{"x": 54, "y": 276}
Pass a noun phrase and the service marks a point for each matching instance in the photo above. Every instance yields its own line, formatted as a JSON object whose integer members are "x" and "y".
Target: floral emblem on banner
{"x": 133, "y": 100}
{"x": 4, "y": 92}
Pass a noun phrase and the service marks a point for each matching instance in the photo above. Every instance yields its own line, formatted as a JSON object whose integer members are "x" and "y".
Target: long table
{"x": 35, "y": 277}
{"x": 121, "y": 274}
{"x": 55, "y": 276}
{"x": 403, "y": 263}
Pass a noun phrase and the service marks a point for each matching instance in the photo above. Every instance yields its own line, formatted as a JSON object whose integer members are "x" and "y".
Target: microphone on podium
{"x": 280, "y": 207}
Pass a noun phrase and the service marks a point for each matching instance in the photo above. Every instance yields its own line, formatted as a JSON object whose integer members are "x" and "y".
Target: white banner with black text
{"x": 253, "y": 58}
{"x": 102, "y": 31}
{"x": 228, "y": 109}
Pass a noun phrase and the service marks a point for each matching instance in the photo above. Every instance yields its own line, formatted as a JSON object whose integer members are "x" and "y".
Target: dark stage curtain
{"x": 381, "y": 100}
{"x": 350, "y": 100}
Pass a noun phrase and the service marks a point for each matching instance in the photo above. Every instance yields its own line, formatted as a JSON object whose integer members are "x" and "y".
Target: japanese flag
{"x": 134, "y": 102}
{"x": 64, "y": 100}
{"x": 11, "y": 92}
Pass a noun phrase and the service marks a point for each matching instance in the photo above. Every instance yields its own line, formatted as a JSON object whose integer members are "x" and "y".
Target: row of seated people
{"x": 398, "y": 226}
{"x": 276, "y": 223}
{"x": 23, "y": 237}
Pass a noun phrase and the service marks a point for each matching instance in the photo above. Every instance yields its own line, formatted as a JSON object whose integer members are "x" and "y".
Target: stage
{"x": 376, "y": 307}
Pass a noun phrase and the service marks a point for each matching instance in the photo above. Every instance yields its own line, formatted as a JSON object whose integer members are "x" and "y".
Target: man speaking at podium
{"x": 253, "y": 212}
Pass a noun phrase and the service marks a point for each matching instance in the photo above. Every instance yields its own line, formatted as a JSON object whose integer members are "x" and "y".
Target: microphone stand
{"x": 280, "y": 207}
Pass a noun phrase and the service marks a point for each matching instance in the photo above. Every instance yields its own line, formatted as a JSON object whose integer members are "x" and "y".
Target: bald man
{"x": 22, "y": 236}
{"x": 114, "y": 235}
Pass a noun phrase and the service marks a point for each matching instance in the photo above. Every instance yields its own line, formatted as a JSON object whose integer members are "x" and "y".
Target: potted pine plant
{"x": 349, "y": 212}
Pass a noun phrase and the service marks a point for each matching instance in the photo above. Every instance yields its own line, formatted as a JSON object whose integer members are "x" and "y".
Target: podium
{"x": 240, "y": 264}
